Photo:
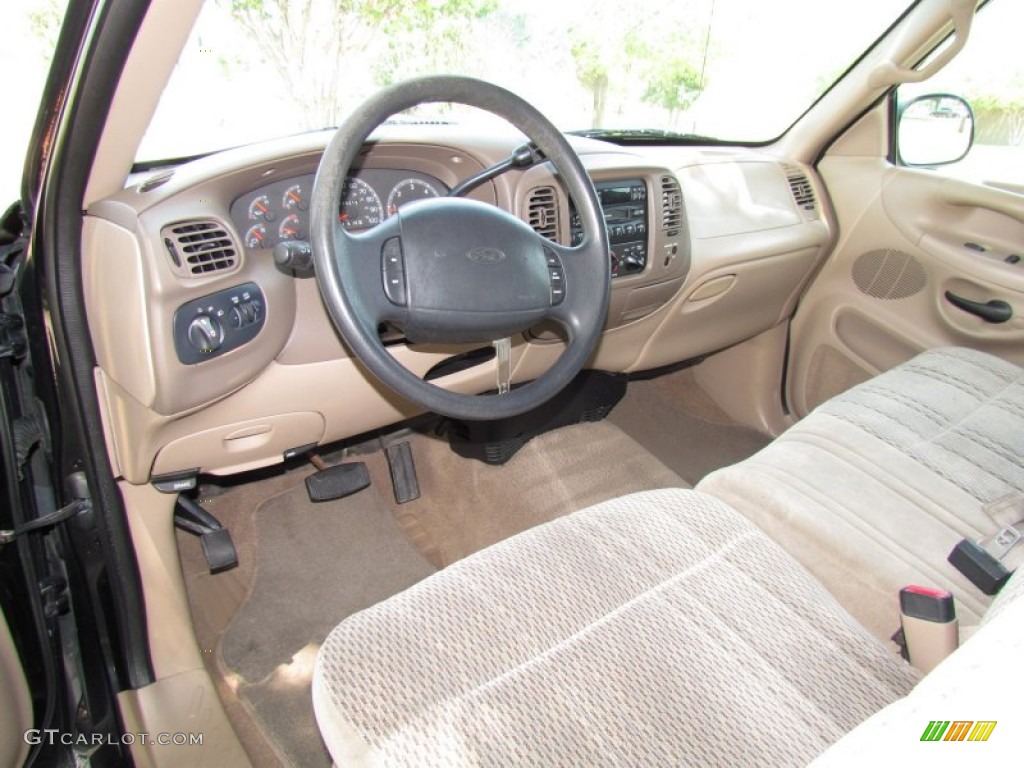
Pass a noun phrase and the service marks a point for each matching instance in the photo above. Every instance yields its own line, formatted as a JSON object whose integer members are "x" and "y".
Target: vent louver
{"x": 542, "y": 212}
{"x": 803, "y": 192}
{"x": 671, "y": 205}
{"x": 199, "y": 247}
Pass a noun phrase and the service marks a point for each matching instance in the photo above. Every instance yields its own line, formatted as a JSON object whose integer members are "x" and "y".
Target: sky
{"x": 765, "y": 61}
{"x": 22, "y": 52}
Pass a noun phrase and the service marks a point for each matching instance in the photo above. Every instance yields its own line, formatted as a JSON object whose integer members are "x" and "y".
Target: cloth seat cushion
{"x": 874, "y": 488}
{"x": 660, "y": 628}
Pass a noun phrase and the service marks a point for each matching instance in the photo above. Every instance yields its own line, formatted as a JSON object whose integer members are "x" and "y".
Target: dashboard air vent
{"x": 542, "y": 212}
{"x": 671, "y": 205}
{"x": 803, "y": 192}
{"x": 199, "y": 247}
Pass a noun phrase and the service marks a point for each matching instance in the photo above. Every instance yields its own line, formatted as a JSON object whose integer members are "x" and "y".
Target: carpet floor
{"x": 304, "y": 567}
{"x": 676, "y": 421}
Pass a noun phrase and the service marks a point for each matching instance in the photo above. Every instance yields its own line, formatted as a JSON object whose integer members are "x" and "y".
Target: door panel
{"x": 906, "y": 238}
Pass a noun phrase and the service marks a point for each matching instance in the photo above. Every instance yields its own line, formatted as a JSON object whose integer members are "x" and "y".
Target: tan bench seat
{"x": 656, "y": 629}
{"x": 874, "y": 488}
{"x": 664, "y": 628}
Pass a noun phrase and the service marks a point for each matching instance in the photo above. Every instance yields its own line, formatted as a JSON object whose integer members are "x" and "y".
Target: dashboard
{"x": 279, "y": 212}
{"x": 214, "y": 357}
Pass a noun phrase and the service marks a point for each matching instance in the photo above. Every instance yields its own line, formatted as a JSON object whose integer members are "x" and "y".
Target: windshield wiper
{"x": 642, "y": 135}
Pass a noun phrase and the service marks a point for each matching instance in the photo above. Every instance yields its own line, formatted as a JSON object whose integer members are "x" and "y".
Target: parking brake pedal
{"x": 330, "y": 483}
{"x": 218, "y": 548}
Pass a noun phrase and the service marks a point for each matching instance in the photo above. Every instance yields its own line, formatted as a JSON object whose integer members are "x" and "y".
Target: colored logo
{"x": 958, "y": 730}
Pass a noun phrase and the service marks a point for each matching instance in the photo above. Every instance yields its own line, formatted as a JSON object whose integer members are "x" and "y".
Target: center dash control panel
{"x": 624, "y": 204}
{"x": 207, "y": 327}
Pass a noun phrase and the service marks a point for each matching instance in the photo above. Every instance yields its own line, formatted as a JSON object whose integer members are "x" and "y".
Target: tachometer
{"x": 409, "y": 190}
{"x": 360, "y": 205}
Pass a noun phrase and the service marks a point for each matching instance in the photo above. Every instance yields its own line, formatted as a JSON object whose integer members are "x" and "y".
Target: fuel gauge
{"x": 294, "y": 199}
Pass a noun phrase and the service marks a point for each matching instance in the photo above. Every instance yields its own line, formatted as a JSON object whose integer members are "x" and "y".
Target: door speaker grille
{"x": 889, "y": 274}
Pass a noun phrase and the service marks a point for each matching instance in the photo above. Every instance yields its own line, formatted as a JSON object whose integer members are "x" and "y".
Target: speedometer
{"x": 407, "y": 191}
{"x": 360, "y": 205}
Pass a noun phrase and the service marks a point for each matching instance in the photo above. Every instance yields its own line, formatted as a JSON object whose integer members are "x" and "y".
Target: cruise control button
{"x": 393, "y": 271}
{"x": 557, "y": 295}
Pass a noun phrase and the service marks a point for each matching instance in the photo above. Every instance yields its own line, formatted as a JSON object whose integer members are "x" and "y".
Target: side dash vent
{"x": 803, "y": 192}
{"x": 671, "y": 205}
{"x": 197, "y": 248}
{"x": 542, "y": 212}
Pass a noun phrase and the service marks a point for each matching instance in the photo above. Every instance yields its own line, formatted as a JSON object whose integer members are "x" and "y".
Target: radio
{"x": 624, "y": 204}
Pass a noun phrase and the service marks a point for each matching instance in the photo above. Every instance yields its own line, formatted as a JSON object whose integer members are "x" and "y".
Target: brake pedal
{"x": 403, "y": 472}
{"x": 336, "y": 482}
{"x": 218, "y": 548}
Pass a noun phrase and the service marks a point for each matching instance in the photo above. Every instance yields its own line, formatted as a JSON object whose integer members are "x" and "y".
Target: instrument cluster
{"x": 279, "y": 212}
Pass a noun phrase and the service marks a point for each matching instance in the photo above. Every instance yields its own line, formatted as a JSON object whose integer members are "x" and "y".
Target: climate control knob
{"x": 205, "y": 333}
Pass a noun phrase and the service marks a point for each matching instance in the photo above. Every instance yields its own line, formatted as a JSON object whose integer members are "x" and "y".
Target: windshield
{"x": 732, "y": 70}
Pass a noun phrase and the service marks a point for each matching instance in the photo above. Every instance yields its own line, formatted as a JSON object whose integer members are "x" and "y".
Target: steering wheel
{"x": 452, "y": 270}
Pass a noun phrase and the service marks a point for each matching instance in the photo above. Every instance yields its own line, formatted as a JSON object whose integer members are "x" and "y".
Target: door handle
{"x": 994, "y": 311}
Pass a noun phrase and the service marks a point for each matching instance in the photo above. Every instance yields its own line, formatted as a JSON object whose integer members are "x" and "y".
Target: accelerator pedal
{"x": 403, "y": 472}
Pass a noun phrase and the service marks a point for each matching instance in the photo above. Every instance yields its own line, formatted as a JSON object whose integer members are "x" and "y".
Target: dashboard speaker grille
{"x": 671, "y": 205}
{"x": 199, "y": 247}
{"x": 803, "y": 192}
{"x": 542, "y": 212}
{"x": 889, "y": 274}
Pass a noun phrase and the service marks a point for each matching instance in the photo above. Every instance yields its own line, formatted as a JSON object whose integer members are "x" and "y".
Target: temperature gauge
{"x": 290, "y": 228}
{"x": 294, "y": 199}
{"x": 259, "y": 209}
{"x": 256, "y": 237}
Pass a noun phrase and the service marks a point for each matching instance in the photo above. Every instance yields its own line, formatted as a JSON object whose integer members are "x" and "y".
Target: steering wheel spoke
{"x": 574, "y": 283}
{"x": 372, "y": 265}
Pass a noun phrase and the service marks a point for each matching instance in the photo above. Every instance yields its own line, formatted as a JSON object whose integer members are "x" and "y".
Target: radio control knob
{"x": 205, "y": 333}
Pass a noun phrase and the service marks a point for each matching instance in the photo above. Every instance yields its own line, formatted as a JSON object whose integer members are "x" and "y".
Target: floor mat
{"x": 303, "y": 567}
{"x": 467, "y": 505}
{"x": 675, "y": 420}
{"x": 316, "y": 564}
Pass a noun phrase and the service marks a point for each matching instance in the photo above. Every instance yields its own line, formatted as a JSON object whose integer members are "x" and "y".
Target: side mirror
{"x": 935, "y": 129}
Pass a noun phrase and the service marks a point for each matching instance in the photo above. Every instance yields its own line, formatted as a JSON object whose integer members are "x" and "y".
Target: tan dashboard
{"x": 213, "y": 358}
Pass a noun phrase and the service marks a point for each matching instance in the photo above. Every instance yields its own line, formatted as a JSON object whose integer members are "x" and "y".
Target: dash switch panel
{"x": 207, "y": 327}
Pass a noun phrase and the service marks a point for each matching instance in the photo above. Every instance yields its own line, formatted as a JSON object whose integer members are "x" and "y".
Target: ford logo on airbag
{"x": 486, "y": 255}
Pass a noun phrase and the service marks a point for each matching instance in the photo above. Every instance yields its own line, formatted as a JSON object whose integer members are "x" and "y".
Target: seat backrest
{"x": 979, "y": 683}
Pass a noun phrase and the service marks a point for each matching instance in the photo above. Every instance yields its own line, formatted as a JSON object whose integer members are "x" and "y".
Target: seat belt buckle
{"x": 930, "y": 628}
{"x": 981, "y": 562}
